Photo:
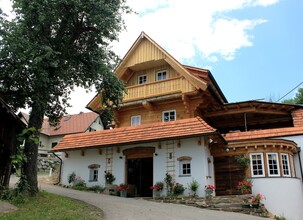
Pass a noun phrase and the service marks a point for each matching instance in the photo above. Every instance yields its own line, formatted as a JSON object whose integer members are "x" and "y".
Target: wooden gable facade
{"x": 157, "y": 83}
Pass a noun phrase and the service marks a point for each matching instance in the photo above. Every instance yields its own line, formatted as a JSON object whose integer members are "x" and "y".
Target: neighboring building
{"x": 10, "y": 127}
{"x": 69, "y": 124}
{"x": 175, "y": 119}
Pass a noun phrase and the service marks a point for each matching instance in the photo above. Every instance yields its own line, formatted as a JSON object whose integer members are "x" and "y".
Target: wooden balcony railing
{"x": 158, "y": 88}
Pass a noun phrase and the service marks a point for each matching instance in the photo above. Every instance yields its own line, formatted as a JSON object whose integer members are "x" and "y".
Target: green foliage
{"x": 50, "y": 48}
{"x": 298, "y": 99}
{"x": 50, "y": 206}
{"x": 243, "y": 160}
{"x": 169, "y": 183}
{"x": 13, "y": 196}
{"x": 178, "y": 189}
{"x": 109, "y": 177}
{"x": 96, "y": 188}
{"x": 71, "y": 177}
{"x": 193, "y": 186}
{"x": 280, "y": 217}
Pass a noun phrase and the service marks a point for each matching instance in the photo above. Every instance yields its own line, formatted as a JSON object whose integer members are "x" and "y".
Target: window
{"x": 162, "y": 75}
{"x": 135, "y": 120}
{"x": 273, "y": 164}
{"x": 142, "y": 79}
{"x": 257, "y": 168}
{"x": 54, "y": 144}
{"x": 169, "y": 115}
{"x": 185, "y": 168}
{"x": 285, "y": 165}
{"x": 93, "y": 175}
{"x": 91, "y": 129}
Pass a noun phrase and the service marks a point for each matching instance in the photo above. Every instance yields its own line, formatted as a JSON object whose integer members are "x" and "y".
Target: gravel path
{"x": 139, "y": 209}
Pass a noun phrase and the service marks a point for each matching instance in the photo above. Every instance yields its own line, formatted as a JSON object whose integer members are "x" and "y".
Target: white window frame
{"x": 161, "y": 72}
{"x": 185, "y": 162}
{"x": 92, "y": 175}
{"x": 251, "y": 165}
{"x": 277, "y": 164}
{"x": 288, "y": 165}
{"x": 134, "y": 119}
{"x": 292, "y": 168}
{"x": 140, "y": 82}
{"x": 164, "y": 112}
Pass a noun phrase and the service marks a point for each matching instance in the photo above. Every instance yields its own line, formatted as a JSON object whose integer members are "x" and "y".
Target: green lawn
{"x": 50, "y": 206}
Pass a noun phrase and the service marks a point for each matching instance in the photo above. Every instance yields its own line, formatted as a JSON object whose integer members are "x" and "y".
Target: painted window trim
{"x": 181, "y": 162}
{"x": 251, "y": 165}
{"x": 140, "y": 77}
{"x": 135, "y": 116}
{"x": 167, "y": 112}
{"x": 278, "y": 164}
{"x": 91, "y": 175}
{"x": 288, "y": 165}
{"x": 161, "y": 71}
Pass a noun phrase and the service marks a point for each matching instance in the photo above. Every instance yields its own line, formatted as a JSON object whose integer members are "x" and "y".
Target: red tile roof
{"x": 70, "y": 124}
{"x": 136, "y": 134}
{"x": 267, "y": 133}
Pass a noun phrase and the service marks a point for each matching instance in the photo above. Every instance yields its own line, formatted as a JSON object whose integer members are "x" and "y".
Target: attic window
{"x": 67, "y": 117}
{"x": 142, "y": 79}
{"x": 161, "y": 75}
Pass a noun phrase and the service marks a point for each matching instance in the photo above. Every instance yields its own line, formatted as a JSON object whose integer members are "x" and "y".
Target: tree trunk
{"x": 29, "y": 168}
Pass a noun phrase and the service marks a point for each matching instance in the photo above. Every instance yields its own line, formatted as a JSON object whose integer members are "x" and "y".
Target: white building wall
{"x": 284, "y": 196}
{"x": 189, "y": 147}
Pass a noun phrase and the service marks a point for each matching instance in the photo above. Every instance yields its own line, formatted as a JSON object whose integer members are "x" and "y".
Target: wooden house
{"x": 175, "y": 119}
{"x": 10, "y": 127}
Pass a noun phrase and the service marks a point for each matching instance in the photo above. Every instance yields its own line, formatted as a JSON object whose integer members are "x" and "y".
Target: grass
{"x": 51, "y": 206}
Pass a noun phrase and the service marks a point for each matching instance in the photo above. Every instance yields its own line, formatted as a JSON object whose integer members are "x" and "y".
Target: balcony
{"x": 158, "y": 88}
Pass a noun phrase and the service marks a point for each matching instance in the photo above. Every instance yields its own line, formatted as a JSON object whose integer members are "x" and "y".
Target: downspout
{"x": 60, "y": 169}
{"x": 299, "y": 151}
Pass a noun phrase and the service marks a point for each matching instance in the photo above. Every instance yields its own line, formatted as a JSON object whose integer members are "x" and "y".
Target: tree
{"x": 298, "y": 99}
{"x": 51, "y": 47}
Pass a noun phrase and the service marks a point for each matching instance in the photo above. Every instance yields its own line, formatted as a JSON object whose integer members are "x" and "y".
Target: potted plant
{"x": 209, "y": 190}
{"x": 245, "y": 186}
{"x": 122, "y": 189}
{"x": 109, "y": 178}
{"x": 193, "y": 186}
{"x": 253, "y": 201}
{"x": 157, "y": 188}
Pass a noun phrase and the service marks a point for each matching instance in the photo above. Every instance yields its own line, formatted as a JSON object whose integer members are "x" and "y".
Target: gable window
{"x": 162, "y": 75}
{"x": 169, "y": 115}
{"x": 273, "y": 164}
{"x": 135, "y": 120}
{"x": 54, "y": 144}
{"x": 142, "y": 79}
{"x": 285, "y": 165}
{"x": 257, "y": 167}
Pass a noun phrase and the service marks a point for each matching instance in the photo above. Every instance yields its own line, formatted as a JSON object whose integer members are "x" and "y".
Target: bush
{"x": 193, "y": 186}
{"x": 96, "y": 188}
{"x": 71, "y": 177}
{"x": 13, "y": 196}
{"x": 178, "y": 189}
{"x": 109, "y": 178}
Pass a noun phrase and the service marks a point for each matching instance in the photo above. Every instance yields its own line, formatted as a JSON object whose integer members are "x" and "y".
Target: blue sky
{"x": 253, "y": 48}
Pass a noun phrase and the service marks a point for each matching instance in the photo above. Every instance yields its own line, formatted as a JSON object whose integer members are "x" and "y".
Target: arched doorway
{"x": 139, "y": 169}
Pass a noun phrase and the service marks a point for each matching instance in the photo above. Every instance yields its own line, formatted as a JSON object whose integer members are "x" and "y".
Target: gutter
{"x": 60, "y": 169}
{"x": 299, "y": 151}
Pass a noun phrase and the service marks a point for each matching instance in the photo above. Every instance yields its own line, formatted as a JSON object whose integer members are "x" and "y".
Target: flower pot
{"x": 123, "y": 193}
{"x": 245, "y": 191}
{"x": 156, "y": 193}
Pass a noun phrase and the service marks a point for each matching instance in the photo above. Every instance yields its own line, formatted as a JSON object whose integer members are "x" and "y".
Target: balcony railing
{"x": 158, "y": 88}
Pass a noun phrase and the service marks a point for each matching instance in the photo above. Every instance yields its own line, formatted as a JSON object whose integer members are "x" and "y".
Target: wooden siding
{"x": 147, "y": 117}
{"x": 145, "y": 52}
{"x": 158, "y": 88}
{"x": 151, "y": 74}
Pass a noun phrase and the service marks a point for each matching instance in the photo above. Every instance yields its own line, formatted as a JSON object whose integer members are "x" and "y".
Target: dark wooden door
{"x": 228, "y": 173}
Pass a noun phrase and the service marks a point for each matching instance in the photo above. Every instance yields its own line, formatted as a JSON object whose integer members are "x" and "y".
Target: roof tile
{"x": 136, "y": 134}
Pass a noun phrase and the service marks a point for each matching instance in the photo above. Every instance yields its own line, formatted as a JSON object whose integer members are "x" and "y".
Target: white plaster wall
{"x": 79, "y": 164}
{"x": 284, "y": 196}
{"x": 97, "y": 125}
{"x": 189, "y": 147}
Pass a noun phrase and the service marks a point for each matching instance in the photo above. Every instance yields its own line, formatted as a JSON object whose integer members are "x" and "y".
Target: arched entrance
{"x": 139, "y": 169}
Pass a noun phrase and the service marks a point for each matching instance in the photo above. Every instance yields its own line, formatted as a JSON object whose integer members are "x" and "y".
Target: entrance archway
{"x": 139, "y": 169}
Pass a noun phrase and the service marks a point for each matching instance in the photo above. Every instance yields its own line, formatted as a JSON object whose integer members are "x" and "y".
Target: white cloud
{"x": 191, "y": 27}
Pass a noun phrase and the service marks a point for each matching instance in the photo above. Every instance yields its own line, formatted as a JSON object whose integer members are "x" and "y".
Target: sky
{"x": 253, "y": 48}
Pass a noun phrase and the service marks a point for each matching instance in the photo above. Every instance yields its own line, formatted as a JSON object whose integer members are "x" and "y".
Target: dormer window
{"x": 142, "y": 79}
{"x": 161, "y": 75}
